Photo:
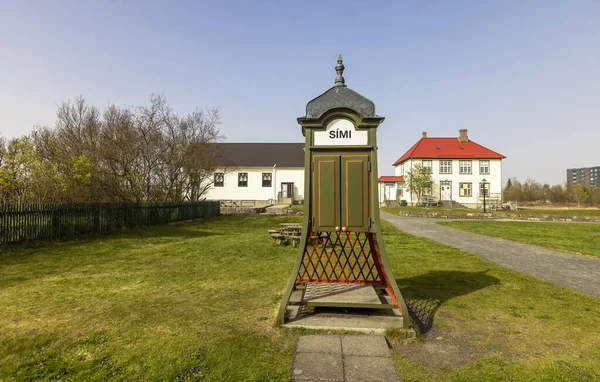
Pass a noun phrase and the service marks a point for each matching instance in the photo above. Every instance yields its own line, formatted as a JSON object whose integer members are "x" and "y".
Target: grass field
{"x": 180, "y": 302}
{"x": 581, "y": 238}
{"x": 396, "y": 209}
{"x": 524, "y": 211}
{"x": 195, "y": 301}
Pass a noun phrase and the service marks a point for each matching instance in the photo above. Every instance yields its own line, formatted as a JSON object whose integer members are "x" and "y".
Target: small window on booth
{"x": 266, "y": 179}
{"x": 219, "y": 179}
{"x": 242, "y": 179}
{"x": 389, "y": 184}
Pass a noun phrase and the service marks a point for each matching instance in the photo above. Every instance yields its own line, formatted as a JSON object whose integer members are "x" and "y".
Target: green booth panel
{"x": 340, "y": 192}
{"x": 355, "y": 192}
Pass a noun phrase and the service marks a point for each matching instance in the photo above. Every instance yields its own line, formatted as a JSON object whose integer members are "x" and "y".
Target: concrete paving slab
{"x": 371, "y": 346}
{"x": 318, "y": 343}
{"x": 358, "y": 320}
{"x": 318, "y": 367}
{"x": 277, "y": 209}
{"x": 369, "y": 369}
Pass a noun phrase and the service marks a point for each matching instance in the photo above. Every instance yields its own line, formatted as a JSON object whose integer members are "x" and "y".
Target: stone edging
{"x": 498, "y": 215}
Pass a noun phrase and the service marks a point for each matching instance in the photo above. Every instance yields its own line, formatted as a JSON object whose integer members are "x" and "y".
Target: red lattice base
{"x": 343, "y": 257}
{"x": 340, "y": 257}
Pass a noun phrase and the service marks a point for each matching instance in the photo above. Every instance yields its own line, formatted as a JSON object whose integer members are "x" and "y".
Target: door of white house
{"x": 287, "y": 190}
{"x": 445, "y": 190}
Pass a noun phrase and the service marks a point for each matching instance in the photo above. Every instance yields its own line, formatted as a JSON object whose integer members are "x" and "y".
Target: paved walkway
{"x": 568, "y": 269}
{"x": 347, "y": 358}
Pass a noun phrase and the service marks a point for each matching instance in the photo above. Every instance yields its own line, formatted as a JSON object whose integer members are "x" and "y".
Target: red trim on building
{"x": 390, "y": 178}
{"x": 448, "y": 148}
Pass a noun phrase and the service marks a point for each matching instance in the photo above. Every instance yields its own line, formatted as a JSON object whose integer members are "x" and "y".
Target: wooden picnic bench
{"x": 288, "y": 231}
{"x": 276, "y": 236}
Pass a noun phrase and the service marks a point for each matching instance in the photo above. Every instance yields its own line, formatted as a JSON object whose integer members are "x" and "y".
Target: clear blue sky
{"x": 522, "y": 76}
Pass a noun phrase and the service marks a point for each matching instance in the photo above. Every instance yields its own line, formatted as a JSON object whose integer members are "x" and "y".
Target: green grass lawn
{"x": 181, "y": 302}
{"x": 581, "y": 238}
{"x": 558, "y": 211}
{"x": 524, "y": 211}
{"x": 396, "y": 209}
{"x": 491, "y": 323}
{"x": 197, "y": 300}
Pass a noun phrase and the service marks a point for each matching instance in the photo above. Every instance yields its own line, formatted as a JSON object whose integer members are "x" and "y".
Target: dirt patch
{"x": 452, "y": 346}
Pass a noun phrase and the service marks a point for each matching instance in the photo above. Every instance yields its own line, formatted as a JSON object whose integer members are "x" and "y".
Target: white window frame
{"x": 446, "y": 167}
{"x": 481, "y": 162}
{"x": 481, "y": 186}
{"x": 463, "y": 165}
{"x": 428, "y": 164}
{"x": 462, "y": 191}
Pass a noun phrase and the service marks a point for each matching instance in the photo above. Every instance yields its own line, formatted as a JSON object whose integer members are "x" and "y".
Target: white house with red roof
{"x": 461, "y": 170}
{"x": 390, "y": 189}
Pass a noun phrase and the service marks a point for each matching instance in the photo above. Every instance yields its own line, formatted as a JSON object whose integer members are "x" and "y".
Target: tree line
{"x": 138, "y": 154}
{"x": 533, "y": 191}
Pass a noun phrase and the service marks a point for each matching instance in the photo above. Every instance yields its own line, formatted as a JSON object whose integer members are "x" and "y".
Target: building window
{"x": 266, "y": 179}
{"x": 219, "y": 179}
{"x": 484, "y": 189}
{"x": 389, "y": 184}
{"x": 242, "y": 179}
{"x": 399, "y": 190}
{"x": 445, "y": 167}
{"x": 427, "y": 189}
{"x": 427, "y": 165}
{"x": 402, "y": 169}
{"x": 464, "y": 189}
{"x": 484, "y": 166}
{"x": 464, "y": 167}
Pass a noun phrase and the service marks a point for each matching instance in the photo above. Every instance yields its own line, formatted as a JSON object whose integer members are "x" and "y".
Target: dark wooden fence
{"x": 26, "y": 222}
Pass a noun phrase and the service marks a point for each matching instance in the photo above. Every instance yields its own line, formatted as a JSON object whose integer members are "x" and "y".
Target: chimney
{"x": 424, "y": 134}
{"x": 462, "y": 135}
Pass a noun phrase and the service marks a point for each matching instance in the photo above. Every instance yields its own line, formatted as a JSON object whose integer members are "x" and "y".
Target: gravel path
{"x": 578, "y": 272}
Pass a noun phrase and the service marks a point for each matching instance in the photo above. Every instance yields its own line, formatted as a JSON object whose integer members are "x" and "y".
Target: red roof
{"x": 390, "y": 178}
{"x": 448, "y": 148}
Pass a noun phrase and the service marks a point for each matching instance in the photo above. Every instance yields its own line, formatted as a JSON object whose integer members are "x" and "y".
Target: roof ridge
{"x": 427, "y": 148}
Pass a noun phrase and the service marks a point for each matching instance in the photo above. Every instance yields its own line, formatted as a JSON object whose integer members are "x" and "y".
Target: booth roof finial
{"x": 339, "y": 68}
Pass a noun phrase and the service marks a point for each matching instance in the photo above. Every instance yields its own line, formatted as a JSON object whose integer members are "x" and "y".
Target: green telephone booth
{"x": 341, "y": 240}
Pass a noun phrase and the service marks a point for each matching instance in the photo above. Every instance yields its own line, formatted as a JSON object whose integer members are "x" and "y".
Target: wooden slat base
{"x": 340, "y": 296}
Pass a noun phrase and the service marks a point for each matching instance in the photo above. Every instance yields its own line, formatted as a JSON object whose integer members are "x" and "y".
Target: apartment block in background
{"x": 588, "y": 176}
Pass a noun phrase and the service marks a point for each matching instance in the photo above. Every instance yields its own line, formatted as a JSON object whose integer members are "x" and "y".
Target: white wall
{"x": 255, "y": 190}
{"x": 494, "y": 178}
{"x": 389, "y": 193}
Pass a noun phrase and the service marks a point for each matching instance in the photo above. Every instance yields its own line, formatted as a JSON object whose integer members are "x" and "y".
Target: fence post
{"x": 97, "y": 227}
{"x": 55, "y": 221}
